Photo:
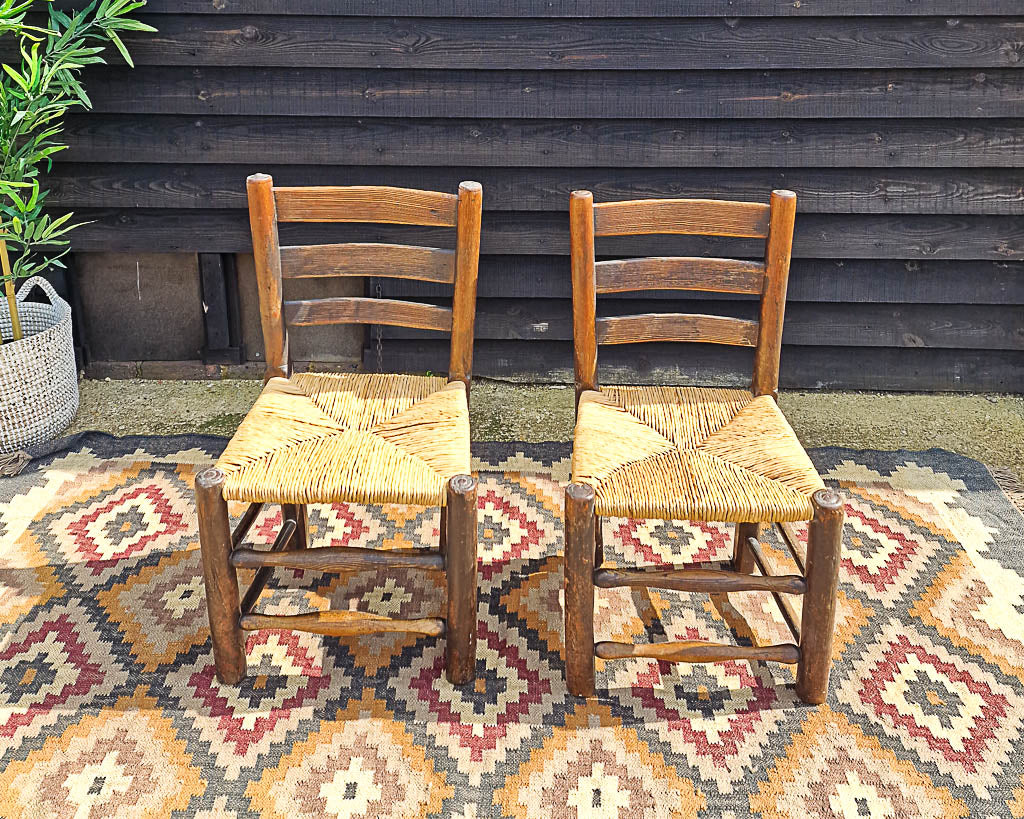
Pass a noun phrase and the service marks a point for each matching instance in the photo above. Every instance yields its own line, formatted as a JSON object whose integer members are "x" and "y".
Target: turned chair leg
{"x": 824, "y": 546}
{"x": 299, "y": 513}
{"x": 742, "y": 557}
{"x": 580, "y": 548}
{"x": 458, "y": 537}
{"x": 219, "y": 576}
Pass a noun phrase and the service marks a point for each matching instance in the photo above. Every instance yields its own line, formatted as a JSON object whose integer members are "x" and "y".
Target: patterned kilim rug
{"x": 109, "y": 705}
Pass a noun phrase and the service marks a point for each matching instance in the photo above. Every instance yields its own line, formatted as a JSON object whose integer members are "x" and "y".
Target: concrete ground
{"x": 989, "y": 428}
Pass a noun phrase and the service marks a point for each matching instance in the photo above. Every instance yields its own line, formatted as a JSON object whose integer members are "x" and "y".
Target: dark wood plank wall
{"x": 897, "y": 122}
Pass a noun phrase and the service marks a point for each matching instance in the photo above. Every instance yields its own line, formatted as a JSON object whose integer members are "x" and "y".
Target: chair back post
{"x": 778, "y": 251}
{"x": 584, "y": 291}
{"x": 266, "y": 248}
{"x": 467, "y": 262}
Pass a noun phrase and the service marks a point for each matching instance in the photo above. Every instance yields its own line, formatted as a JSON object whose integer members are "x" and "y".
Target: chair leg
{"x": 299, "y": 513}
{"x": 580, "y": 547}
{"x": 442, "y": 539}
{"x": 219, "y": 576}
{"x": 742, "y": 558}
{"x": 599, "y": 541}
{"x": 824, "y": 547}
{"x": 459, "y": 530}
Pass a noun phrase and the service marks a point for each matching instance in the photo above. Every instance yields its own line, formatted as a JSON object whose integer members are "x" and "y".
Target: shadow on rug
{"x": 109, "y": 705}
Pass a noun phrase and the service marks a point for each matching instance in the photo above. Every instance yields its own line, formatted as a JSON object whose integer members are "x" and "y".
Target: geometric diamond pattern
{"x": 109, "y": 705}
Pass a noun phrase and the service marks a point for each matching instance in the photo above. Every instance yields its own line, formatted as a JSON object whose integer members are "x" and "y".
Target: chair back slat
{"x": 366, "y": 203}
{"x": 680, "y": 273}
{"x": 269, "y": 205}
{"x": 358, "y": 310}
{"x": 676, "y": 327}
{"x": 428, "y": 264}
{"x": 768, "y": 279}
{"x": 703, "y": 217}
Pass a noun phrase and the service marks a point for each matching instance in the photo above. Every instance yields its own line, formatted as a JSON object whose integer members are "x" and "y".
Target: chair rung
{"x": 342, "y": 623}
{"x": 789, "y": 537}
{"x": 245, "y": 524}
{"x": 697, "y": 651}
{"x": 785, "y": 607}
{"x": 698, "y": 580}
{"x": 339, "y": 559}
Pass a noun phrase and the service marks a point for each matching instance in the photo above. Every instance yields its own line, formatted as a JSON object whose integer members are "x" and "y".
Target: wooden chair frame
{"x": 231, "y": 615}
{"x": 584, "y": 551}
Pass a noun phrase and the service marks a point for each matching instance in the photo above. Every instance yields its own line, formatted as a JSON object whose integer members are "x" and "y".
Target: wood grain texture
{"x": 338, "y": 559}
{"x": 358, "y": 310}
{"x": 703, "y": 217}
{"x": 219, "y": 577}
{"x": 747, "y": 94}
{"x": 817, "y": 368}
{"x": 817, "y": 627}
{"x": 266, "y": 248}
{"x": 710, "y": 581}
{"x": 467, "y": 253}
{"x": 900, "y": 287}
{"x": 587, "y": 8}
{"x": 964, "y": 327}
{"x": 585, "y": 141}
{"x": 580, "y": 544}
{"x": 343, "y": 623}
{"x": 819, "y": 236}
{"x": 978, "y": 191}
{"x": 461, "y": 578}
{"x": 429, "y": 264}
{"x": 365, "y": 203}
{"x": 778, "y": 253}
{"x": 679, "y": 273}
{"x": 676, "y": 327}
{"x": 670, "y": 43}
{"x": 584, "y": 290}
{"x": 696, "y": 651}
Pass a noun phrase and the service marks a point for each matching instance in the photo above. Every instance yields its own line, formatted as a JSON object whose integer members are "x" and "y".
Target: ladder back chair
{"x": 358, "y": 437}
{"x": 692, "y": 453}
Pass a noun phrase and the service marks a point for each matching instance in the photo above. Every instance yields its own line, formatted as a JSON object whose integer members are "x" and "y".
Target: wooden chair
{"x": 361, "y": 438}
{"x": 693, "y": 453}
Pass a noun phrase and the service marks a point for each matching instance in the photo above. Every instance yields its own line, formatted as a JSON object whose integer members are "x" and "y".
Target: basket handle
{"x": 42, "y": 284}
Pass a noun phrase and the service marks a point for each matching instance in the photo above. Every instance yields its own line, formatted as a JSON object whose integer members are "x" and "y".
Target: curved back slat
{"x": 428, "y": 264}
{"x": 269, "y": 205}
{"x": 366, "y": 203}
{"x": 768, "y": 279}
{"x": 700, "y": 217}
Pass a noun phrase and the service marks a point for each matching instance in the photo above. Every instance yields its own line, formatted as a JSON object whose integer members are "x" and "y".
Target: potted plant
{"x": 38, "y": 378}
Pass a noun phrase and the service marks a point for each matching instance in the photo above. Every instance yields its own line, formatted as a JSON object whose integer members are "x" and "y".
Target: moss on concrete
{"x": 989, "y": 428}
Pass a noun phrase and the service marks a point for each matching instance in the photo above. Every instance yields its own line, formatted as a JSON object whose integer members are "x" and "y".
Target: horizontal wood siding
{"x": 899, "y": 124}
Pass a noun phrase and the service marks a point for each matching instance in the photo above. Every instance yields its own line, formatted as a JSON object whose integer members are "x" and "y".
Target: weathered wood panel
{"x": 745, "y": 94}
{"x": 897, "y": 122}
{"x": 605, "y": 144}
{"x": 860, "y": 236}
{"x": 511, "y": 42}
{"x": 977, "y": 191}
{"x": 587, "y": 8}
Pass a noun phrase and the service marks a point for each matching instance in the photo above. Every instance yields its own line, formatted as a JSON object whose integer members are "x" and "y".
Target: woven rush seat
{"x": 358, "y": 438}
{"x": 691, "y": 453}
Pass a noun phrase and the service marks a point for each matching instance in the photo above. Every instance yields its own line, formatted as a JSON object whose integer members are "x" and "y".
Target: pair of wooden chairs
{"x": 673, "y": 453}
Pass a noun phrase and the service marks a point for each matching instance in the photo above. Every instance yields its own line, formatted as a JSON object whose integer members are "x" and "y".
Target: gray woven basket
{"x": 38, "y": 378}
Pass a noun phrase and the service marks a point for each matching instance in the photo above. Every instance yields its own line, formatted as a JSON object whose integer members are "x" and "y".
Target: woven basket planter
{"x": 38, "y": 377}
